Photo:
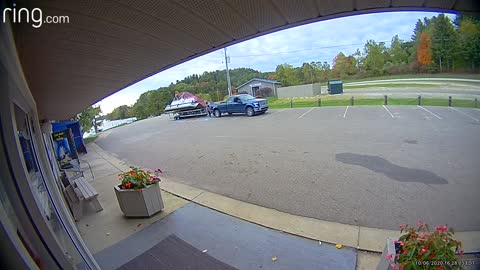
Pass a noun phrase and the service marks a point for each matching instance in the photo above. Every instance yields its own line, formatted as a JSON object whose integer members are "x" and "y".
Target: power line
{"x": 304, "y": 50}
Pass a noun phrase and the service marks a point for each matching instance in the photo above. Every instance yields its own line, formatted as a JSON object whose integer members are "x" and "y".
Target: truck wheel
{"x": 249, "y": 111}
{"x": 217, "y": 113}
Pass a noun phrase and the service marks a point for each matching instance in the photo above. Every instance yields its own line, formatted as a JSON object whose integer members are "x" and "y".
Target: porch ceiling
{"x": 111, "y": 44}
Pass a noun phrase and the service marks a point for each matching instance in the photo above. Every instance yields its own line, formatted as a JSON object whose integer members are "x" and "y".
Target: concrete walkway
{"x": 235, "y": 242}
{"x": 109, "y": 227}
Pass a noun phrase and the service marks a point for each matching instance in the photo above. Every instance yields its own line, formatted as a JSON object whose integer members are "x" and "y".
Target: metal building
{"x": 260, "y": 87}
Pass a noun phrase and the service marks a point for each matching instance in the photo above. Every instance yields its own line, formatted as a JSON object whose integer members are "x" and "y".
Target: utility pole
{"x": 227, "y": 59}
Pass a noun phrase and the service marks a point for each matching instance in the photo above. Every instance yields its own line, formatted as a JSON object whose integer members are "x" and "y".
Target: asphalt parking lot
{"x": 375, "y": 166}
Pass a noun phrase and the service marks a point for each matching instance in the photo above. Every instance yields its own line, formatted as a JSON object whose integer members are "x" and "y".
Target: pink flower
{"x": 424, "y": 235}
{"x": 402, "y": 226}
{"x": 460, "y": 252}
{"x": 419, "y": 223}
{"x": 393, "y": 266}
{"x": 159, "y": 171}
{"x": 441, "y": 228}
{"x": 402, "y": 243}
{"x": 388, "y": 257}
{"x": 424, "y": 250}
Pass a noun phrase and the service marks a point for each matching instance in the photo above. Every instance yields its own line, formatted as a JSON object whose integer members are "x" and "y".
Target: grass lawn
{"x": 463, "y": 103}
{"x": 413, "y": 76}
{"x": 345, "y": 100}
{"x": 90, "y": 139}
{"x": 419, "y": 85}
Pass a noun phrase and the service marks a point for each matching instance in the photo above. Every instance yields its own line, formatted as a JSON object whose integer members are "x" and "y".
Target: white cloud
{"x": 312, "y": 38}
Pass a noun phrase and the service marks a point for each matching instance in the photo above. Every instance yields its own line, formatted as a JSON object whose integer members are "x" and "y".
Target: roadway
{"x": 368, "y": 166}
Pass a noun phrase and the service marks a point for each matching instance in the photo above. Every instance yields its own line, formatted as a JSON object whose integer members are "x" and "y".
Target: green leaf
{"x": 411, "y": 253}
{"x": 425, "y": 256}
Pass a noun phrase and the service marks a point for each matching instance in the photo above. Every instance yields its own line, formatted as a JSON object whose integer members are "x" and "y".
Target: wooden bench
{"x": 78, "y": 193}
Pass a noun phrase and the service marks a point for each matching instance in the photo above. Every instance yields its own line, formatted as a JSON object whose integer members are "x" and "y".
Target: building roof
{"x": 258, "y": 79}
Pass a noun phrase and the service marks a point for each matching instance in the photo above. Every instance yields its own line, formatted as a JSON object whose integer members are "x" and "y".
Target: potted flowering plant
{"x": 418, "y": 248}
{"x": 139, "y": 193}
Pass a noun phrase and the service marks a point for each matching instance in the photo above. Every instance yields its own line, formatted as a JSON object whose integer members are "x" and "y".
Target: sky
{"x": 320, "y": 41}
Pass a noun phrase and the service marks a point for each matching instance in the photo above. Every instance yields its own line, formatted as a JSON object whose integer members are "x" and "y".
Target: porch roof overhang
{"x": 110, "y": 44}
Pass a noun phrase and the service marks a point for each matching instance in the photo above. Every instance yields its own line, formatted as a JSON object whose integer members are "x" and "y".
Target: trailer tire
{"x": 217, "y": 113}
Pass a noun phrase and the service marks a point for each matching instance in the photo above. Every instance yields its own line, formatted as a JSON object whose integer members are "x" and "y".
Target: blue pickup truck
{"x": 242, "y": 103}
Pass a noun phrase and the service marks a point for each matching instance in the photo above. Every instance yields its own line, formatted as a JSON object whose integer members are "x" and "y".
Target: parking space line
{"x": 305, "y": 113}
{"x": 465, "y": 114}
{"x": 385, "y": 107}
{"x": 346, "y": 110}
{"x": 273, "y": 114}
{"x": 429, "y": 112}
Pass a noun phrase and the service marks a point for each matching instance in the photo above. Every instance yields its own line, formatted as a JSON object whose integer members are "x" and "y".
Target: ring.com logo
{"x": 35, "y": 16}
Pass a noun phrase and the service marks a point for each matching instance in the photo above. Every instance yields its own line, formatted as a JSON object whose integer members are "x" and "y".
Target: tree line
{"x": 437, "y": 44}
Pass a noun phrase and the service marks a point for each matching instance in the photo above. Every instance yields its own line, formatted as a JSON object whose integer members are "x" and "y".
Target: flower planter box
{"x": 418, "y": 247}
{"x": 384, "y": 264}
{"x": 140, "y": 203}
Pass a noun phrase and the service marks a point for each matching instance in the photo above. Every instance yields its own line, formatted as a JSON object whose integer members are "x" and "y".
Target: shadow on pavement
{"x": 390, "y": 170}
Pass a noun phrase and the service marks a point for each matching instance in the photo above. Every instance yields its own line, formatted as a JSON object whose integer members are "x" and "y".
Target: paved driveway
{"x": 368, "y": 166}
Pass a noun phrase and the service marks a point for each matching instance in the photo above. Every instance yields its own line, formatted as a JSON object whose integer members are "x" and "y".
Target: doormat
{"x": 173, "y": 253}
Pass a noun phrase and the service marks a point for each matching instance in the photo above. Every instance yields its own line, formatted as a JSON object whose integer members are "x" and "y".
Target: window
{"x": 246, "y": 97}
{"x": 38, "y": 187}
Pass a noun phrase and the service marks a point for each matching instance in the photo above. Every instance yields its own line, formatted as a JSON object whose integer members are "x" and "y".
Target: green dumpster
{"x": 335, "y": 87}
